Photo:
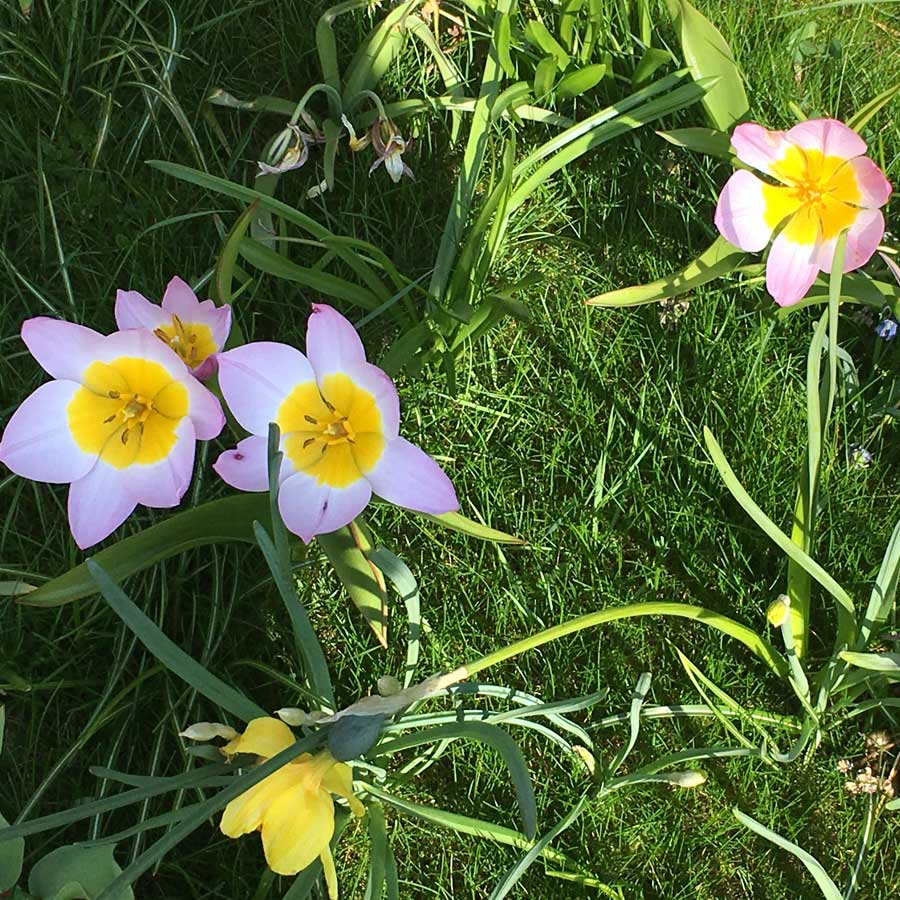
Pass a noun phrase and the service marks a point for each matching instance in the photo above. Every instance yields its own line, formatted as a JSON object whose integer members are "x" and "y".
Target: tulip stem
{"x": 376, "y": 100}
{"x": 325, "y": 89}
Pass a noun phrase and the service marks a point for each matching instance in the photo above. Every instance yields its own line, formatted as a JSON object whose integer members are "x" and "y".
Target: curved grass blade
{"x": 215, "y": 522}
{"x": 846, "y": 612}
{"x": 884, "y": 592}
{"x": 488, "y": 734}
{"x": 828, "y": 888}
{"x": 169, "y": 654}
{"x": 408, "y": 588}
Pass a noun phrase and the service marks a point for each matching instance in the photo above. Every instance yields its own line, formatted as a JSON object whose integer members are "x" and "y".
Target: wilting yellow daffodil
{"x": 292, "y": 808}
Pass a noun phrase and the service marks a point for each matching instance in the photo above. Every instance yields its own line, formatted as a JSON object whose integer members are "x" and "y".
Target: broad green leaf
{"x": 577, "y": 82}
{"x": 407, "y": 587}
{"x": 215, "y": 522}
{"x": 874, "y": 662}
{"x": 846, "y": 611}
{"x": 88, "y": 869}
{"x": 652, "y": 59}
{"x": 536, "y": 33}
{"x": 273, "y": 263}
{"x": 169, "y": 654}
{"x": 700, "y": 140}
{"x": 707, "y": 55}
{"x": 492, "y": 736}
{"x": 346, "y": 550}
{"x": 458, "y": 522}
{"x": 377, "y": 52}
{"x": 378, "y": 850}
{"x": 717, "y": 260}
{"x": 12, "y": 854}
{"x": 502, "y": 37}
{"x": 828, "y": 888}
{"x": 404, "y": 349}
{"x": 881, "y": 602}
{"x": 855, "y": 288}
{"x": 544, "y": 76}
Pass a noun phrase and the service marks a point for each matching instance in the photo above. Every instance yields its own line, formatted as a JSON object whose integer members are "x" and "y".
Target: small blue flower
{"x": 860, "y": 458}
{"x": 886, "y": 329}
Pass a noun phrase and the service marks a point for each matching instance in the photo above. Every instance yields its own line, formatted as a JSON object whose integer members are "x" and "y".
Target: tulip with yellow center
{"x": 195, "y": 331}
{"x": 821, "y": 185}
{"x": 292, "y": 808}
{"x": 339, "y": 418}
{"x": 119, "y": 424}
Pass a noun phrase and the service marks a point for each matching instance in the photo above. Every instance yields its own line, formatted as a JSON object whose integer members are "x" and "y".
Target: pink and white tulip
{"x": 195, "y": 331}
{"x": 339, "y": 418}
{"x": 119, "y": 423}
{"x": 821, "y": 184}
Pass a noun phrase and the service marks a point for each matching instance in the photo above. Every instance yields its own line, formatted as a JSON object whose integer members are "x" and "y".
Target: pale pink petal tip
{"x": 309, "y": 508}
{"x": 758, "y": 147}
{"x": 134, "y": 310}
{"x": 332, "y": 343}
{"x": 98, "y": 505}
{"x": 740, "y": 212}
{"x": 831, "y": 137}
{"x": 790, "y": 270}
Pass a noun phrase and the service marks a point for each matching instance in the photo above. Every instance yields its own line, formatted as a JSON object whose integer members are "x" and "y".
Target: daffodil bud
{"x": 690, "y": 779}
{"x": 293, "y": 716}
{"x": 206, "y": 731}
{"x": 778, "y": 611}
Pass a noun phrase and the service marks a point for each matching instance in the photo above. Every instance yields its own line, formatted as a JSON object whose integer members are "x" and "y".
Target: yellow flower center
{"x": 819, "y": 192}
{"x": 192, "y": 341}
{"x": 334, "y": 434}
{"x": 127, "y": 411}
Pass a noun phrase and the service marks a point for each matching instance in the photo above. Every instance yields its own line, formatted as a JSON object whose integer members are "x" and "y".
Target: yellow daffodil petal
{"x": 297, "y": 827}
{"x": 265, "y": 737}
{"x": 247, "y": 812}
{"x": 339, "y": 780}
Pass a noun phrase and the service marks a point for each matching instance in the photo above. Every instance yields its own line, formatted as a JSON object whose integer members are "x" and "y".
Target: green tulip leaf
{"x": 230, "y": 519}
{"x": 707, "y": 54}
{"x": 717, "y": 260}
{"x": 76, "y": 873}
{"x": 12, "y": 853}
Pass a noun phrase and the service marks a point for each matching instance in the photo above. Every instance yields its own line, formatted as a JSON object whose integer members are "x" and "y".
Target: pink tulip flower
{"x": 821, "y": 184}
{"x": 195, "y": 331}
{"x": 119, "y": 423}
{"x": 339, "y": 418}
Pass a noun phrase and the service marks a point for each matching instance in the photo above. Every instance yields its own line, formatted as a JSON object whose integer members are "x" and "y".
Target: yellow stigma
{"x": 192, "y": 341}
{"x": 334, "y": 434}
{"x": 127, "y": 411}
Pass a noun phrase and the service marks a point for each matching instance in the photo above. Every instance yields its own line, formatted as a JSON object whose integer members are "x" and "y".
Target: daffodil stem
{"x": 757, "y": 644}
{"x": 316, "y": 88}
{"x": 376, "y": 101}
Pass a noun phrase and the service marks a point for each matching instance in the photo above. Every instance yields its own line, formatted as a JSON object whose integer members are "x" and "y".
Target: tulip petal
{"x": 758, "y": 147}
{"x": 246, "y": 467}
{"x": 37, "y": 442}
{"x": 98, "y": 505}
{"x": 163, "y": 484}
{"x": 873, "y": 188}
{"x": 265, "y": 736}
{"x": 409, "y": 477}
{"x": 863, "y": 238}
{"x": 205, "y": 411}
{"x": 178, "y": 299}
{"x": 830, "y": 137}
{"x": 62, "y": 349}
{"x": 309, "y": 508}
{"x": 332, "y": 343}
{"x": 142, "y": 344}
{"x": 741, "y": 212}
{"x": 791, "y": 269}
{"x": 296, "y": 828}
{"x": 255, "y": 379}
{"x": 134, "y": 310}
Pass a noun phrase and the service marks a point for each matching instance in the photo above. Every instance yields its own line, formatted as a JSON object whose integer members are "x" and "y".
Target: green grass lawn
{"x": 579, "y": 430}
